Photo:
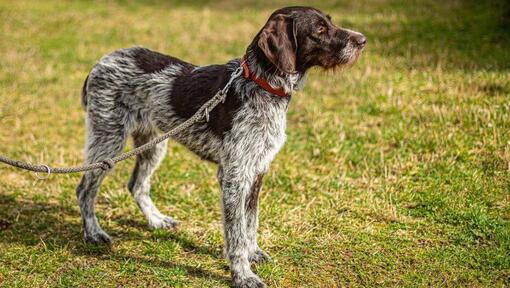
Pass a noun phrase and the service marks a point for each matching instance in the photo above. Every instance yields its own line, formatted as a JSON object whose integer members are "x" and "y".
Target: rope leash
{"x": 107, "y": 164}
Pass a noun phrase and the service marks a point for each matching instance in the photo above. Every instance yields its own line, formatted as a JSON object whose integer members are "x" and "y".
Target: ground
{"x": 395, "y": 172}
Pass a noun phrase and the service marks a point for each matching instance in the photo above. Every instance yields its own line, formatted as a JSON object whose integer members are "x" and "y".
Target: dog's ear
{"x": 278, "y": 42}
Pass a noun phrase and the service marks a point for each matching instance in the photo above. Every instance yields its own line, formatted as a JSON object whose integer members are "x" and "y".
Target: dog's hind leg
{"x": 101, "y": 145}
{"x": 139, "y": 184}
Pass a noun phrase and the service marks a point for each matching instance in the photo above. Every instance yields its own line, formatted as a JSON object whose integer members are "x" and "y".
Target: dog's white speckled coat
{"x": 141, "y": 93}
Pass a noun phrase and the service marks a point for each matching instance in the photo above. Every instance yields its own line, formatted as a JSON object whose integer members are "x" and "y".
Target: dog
{"x": 141, "y": 93}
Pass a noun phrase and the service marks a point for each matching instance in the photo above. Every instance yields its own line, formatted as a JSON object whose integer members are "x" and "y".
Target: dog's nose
{"x": 361, "y": 40}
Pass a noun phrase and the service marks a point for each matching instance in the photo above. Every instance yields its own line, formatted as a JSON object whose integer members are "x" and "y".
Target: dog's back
{"x": 125, "y": 70}
{"x": 141, "y": 91}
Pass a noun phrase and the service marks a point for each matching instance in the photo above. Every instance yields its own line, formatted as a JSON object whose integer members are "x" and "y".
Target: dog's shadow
{"x": 32, "y": 223}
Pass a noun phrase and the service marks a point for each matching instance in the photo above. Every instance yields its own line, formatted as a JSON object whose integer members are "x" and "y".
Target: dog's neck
{"x": 262, "y": 68}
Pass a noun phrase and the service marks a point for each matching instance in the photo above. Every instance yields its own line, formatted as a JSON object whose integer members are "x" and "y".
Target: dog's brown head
{"x": 297, "y": 38}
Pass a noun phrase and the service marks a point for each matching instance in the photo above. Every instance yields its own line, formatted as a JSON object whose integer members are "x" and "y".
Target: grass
{"x": 395, "y": 173}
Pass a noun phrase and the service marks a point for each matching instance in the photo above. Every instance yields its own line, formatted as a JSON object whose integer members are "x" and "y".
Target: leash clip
{"x": 234, "y": 75}
{"x": 206, "y": 115}
{"x": 48, "y": 173}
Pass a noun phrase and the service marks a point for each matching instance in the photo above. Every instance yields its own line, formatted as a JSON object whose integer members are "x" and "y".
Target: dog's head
{"x": 297, "y": 38}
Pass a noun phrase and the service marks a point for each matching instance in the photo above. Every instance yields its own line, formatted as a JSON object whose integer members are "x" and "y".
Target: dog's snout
{"x": 360, "y": 40}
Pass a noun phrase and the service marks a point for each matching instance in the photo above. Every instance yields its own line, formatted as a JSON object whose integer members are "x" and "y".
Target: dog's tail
{"x": 84, "y": 93}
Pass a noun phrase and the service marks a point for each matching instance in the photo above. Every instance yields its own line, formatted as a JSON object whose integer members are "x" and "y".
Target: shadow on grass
{"x": 185, "y": 240}
{"x": 35, "y": 223}
{"x": 467, "y": 35}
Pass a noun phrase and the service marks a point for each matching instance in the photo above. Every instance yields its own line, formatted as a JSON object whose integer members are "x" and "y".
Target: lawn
{"x": 396, "y": 172}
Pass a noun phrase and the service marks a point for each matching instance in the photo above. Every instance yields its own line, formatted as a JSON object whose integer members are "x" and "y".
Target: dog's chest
{"x": 258, "y": 131}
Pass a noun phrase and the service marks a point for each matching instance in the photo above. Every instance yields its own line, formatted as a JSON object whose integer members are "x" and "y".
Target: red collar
{"x": 248, "y": 74}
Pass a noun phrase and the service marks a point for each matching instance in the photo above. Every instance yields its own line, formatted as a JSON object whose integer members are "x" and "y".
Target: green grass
{"x": 395, "y": 173}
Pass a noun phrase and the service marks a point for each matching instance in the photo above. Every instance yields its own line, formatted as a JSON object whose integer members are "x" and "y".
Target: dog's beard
{"x": 344, "y": 59}
{"x": 350, "y": 55}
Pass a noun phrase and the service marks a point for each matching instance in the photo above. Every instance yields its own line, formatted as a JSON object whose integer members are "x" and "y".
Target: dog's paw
{"x": 259, "y": 256}
{"x": 163, "y": 221}
{"x": 98, "y": 237}
{"x": 252, "y": 281}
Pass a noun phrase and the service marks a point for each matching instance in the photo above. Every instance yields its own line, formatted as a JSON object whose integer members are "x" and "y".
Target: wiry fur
{"x": 243, "y": 153}
{"x": 141, "y": 93}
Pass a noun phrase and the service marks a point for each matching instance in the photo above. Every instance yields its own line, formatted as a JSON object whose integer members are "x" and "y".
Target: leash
{"x": 107, "y": 164}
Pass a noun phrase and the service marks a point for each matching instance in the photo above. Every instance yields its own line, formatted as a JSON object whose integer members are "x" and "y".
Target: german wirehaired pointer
{"x": 141, "y": 93}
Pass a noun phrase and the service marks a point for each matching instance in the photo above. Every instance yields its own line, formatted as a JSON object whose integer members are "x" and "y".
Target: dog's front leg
{"x": 256, "y": 255}
{"x": 235, "y": 186}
